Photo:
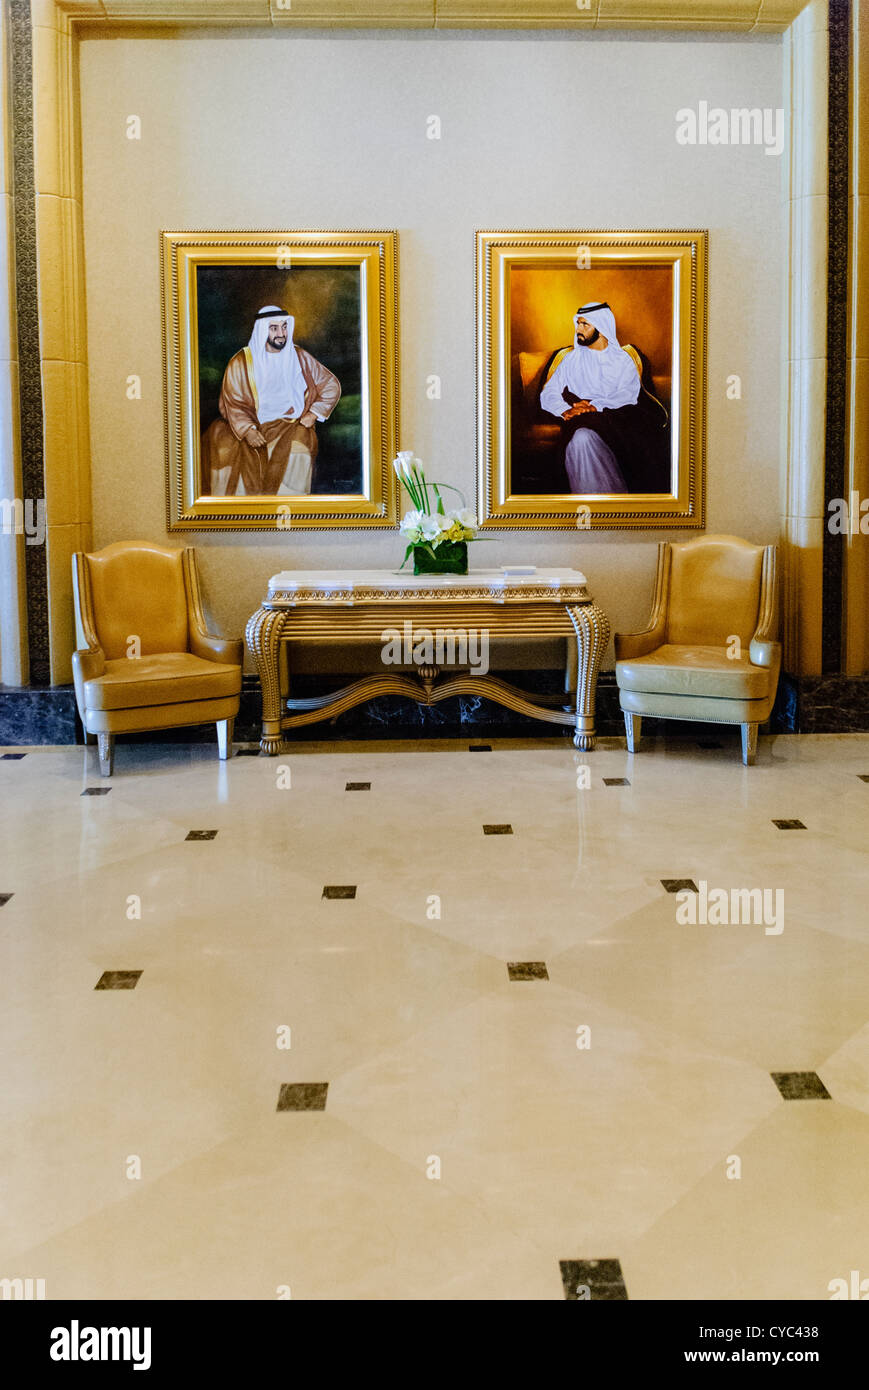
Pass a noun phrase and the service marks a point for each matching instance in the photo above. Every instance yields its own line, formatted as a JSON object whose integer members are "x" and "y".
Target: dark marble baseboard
{"x": 807, "y": 704}
{"x": 832, "y": 704}
{"x": 38, "y": 715}
{"x": 391, "y": 716}
{"x": 785, "y": 713}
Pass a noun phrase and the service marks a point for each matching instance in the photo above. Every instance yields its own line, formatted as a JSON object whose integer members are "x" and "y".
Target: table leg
{"x": 571, "y": 669}
{"x": 592, "y": 635}
{"x": 263, "y": 637}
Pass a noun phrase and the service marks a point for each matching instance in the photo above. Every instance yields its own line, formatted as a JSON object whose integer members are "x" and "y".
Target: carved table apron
{"x": 360, "y": 605}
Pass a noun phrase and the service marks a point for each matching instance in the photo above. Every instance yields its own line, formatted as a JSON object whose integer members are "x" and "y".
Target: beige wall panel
{"x": 677, "y": 25}
{"x": 45, "y": 12}
{"x": 808, "y": 378}
{"x": 61, "y": 306}
{"x": 181, "y": 11}
{"x": 370, "y": 165}
{"x": 84, "y": 443}
{"x": 53, "y": 139}
{"x": 686, "y": 12}
{"x": 857, "y": 554}
{"x": 518, "y": 14}
{"x": 13, "y": 624}
{"x": 56, "y": 334}
{"x": 66, "y": 441}
{"x": 779, "y": 12}
{"x": 809, "y": 152}
{"x": 807, "y": 559}
{"x": 815, "y": 15}
{"x": 60, "y": 14}
{"x": 66, "y": 9}
{"x": 62, "y": 543}
{"x": 13, "y": 618}
{"x": 355, "y": 13}
{"x": 808, "y": 273}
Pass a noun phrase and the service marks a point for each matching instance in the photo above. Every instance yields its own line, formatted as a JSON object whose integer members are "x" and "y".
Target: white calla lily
{"x": 422, "y": 526}
{"x": 411, "y": 525}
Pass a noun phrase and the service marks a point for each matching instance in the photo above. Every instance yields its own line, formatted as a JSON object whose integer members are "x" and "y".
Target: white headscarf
{"x": 601, "y": 317}
{"x": 279, "y": 381}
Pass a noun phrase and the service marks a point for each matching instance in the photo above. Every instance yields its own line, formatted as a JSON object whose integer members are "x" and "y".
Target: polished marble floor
{"x": 409, "y": 1021}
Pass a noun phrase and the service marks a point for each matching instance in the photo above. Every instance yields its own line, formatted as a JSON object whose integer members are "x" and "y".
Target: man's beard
{"x": 587, "y": 342}
{"x": 276, "y": 347}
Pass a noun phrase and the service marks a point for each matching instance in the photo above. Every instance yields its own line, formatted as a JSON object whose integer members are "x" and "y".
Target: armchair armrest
{"x": 87, "y": 664}
{"x": 763, "y": 653}
{"x": 229, "y": 650}
{"x": 634, "y": 644}
{"x": 765, "y": 650}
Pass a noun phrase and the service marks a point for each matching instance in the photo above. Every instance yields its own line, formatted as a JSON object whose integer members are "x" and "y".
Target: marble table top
{"x": 348, "y": 586}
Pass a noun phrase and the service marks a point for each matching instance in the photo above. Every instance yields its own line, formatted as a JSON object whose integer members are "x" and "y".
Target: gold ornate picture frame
{"x": 624, "y": 426}
{"x": 280, "y": 363}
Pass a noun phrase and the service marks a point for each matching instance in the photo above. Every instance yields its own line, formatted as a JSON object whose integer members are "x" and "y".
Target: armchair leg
{"x": 633, "y": 725}
{"x": 224, "y": 738}
{"x": 106, "y": 748}
{"x": 749, "y": 743}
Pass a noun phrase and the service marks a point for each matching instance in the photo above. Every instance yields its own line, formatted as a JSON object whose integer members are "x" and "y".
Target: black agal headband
{"x": 589, "y": 308}
{"x": 272, "y": 314}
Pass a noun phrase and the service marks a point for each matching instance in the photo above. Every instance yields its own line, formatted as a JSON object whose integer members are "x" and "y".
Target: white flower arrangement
{"x": 425, "y": 527}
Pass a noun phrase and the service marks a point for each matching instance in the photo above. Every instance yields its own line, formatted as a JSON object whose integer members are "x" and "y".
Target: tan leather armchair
{"x": 146, "y": 659}
{"x": 710, "y": 650}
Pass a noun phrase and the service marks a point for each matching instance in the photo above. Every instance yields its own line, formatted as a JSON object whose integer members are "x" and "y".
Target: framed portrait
{"x": 280, "y": 379}
{"x": 591, "y": 361}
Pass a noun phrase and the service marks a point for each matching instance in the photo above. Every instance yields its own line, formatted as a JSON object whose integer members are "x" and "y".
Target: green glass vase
{"x": 450, "y": 557}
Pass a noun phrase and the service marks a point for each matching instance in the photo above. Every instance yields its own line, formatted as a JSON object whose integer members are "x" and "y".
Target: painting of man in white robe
{"x": 590, "y": 399}
{"x": 280, "y": 380}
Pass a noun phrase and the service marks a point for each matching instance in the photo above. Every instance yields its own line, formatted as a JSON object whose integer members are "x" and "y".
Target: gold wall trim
{"x": 738, "y": 16}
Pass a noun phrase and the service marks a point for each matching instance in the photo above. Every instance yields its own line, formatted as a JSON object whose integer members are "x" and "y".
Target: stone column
{"x": 803, "y": 511}
{"x": 62, "y": 329}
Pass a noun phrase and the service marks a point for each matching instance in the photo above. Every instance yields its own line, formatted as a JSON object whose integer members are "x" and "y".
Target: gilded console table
{"x": 364, "y": 605}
